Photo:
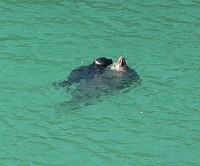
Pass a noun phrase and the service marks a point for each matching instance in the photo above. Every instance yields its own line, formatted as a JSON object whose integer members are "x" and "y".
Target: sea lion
{"x": 121, "y": 75}
{"x": 87, "y": 72}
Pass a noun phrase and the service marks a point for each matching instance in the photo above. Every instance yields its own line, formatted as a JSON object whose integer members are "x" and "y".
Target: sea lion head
{"x": 102, "y": 62}
{"x": 120, "y": 65}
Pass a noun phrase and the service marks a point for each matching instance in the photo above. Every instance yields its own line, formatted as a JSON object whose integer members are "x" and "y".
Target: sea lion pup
{"x": 122, "y": 75}
{"x": 87, "y": 72}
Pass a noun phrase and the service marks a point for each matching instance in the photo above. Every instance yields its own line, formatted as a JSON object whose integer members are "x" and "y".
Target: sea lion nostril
{"x": 110, "y": 61}
{"x": 123, "y": 62}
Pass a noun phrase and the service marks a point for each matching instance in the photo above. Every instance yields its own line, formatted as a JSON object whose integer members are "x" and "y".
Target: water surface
{"x": 154, "y": 124}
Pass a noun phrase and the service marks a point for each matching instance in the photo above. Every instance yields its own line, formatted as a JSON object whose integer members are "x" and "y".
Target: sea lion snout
{"x": 121, "y": 61}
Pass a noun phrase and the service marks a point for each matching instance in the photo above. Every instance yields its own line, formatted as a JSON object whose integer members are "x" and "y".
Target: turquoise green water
{"x": 154, "y": 124}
